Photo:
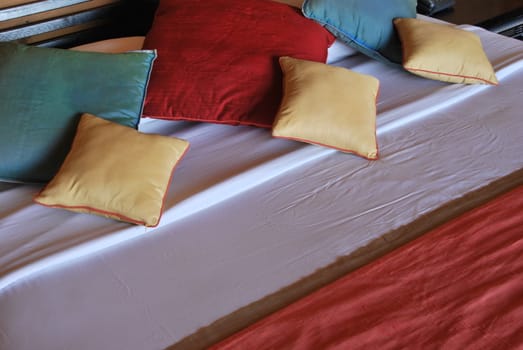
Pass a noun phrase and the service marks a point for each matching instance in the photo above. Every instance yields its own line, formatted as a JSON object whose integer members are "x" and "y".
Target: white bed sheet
{"x": 247, "y": 215}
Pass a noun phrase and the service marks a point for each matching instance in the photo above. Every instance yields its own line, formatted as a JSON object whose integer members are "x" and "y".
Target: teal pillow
{"x": 366, "y": 25}
{"x": 44, "y": 91}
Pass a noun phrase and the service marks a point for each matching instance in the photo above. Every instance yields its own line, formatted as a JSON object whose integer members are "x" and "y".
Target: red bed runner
{"x": 457, "y": 287}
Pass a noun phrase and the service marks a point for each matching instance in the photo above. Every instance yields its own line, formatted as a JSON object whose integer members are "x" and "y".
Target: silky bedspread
{"x": 458, "y": 287}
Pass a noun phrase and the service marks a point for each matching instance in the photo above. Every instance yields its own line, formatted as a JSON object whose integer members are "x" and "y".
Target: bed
{"x": 252, "y": 223}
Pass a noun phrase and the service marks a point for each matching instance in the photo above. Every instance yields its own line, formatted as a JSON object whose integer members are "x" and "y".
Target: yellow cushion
{"x": 115, "y": 171}
{"x": 329, "y": 106}
{"x": 443, "y": 52}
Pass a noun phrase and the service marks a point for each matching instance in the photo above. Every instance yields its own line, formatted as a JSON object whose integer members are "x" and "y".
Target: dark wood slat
{"x": 12, "y": 3}
{"x": 478, "y": 11}
{"x": 81, "y": 37}
{"x": 41, "y": 6}
{"x": 82, "y": 22}
{"x": 56, "y": 24}
{"x": 36, "y": 39}
{"x": 59, "y": 12}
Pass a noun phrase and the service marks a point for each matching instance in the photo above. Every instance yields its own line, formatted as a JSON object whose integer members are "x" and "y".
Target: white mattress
{"x": 247, "y": 215}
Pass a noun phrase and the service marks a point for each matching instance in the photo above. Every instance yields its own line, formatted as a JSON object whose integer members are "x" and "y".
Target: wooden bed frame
{"x": 66, "y": 23}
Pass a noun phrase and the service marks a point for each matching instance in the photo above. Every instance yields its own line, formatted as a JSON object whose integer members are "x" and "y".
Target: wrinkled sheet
{"x": 247, "y": 215}
{"x": 456, "y": 287}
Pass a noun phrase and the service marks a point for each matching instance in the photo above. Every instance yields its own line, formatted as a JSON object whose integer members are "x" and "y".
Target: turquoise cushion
{"x": 366, "y": 25}
{"x": 43, "y": 92}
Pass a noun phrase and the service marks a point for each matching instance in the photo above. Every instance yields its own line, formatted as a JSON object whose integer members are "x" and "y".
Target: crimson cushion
{"x": 218, "y": 60}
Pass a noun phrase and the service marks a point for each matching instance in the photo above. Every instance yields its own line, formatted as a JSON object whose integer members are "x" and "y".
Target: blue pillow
{"x": 44, "y": 91}
{"x": 366, "y": 25}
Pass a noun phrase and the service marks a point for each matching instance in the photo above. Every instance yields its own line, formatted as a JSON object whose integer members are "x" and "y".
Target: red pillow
{"x": 218, "y": 60}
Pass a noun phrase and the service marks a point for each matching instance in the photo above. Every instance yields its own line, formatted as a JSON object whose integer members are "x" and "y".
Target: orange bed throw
{"x": 457, "y": 287}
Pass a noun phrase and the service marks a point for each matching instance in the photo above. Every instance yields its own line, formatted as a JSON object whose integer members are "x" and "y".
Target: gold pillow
{"x": 443, "y": 52}
{"x": 115, "y": 171}
{"x": 329, "y": 106}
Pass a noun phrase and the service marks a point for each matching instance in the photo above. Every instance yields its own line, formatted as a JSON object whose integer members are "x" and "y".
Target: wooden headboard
{"x": 65, "y": 23}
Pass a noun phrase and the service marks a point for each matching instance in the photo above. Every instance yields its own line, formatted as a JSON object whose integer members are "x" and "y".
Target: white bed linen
{"x": 248, "y": 214}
